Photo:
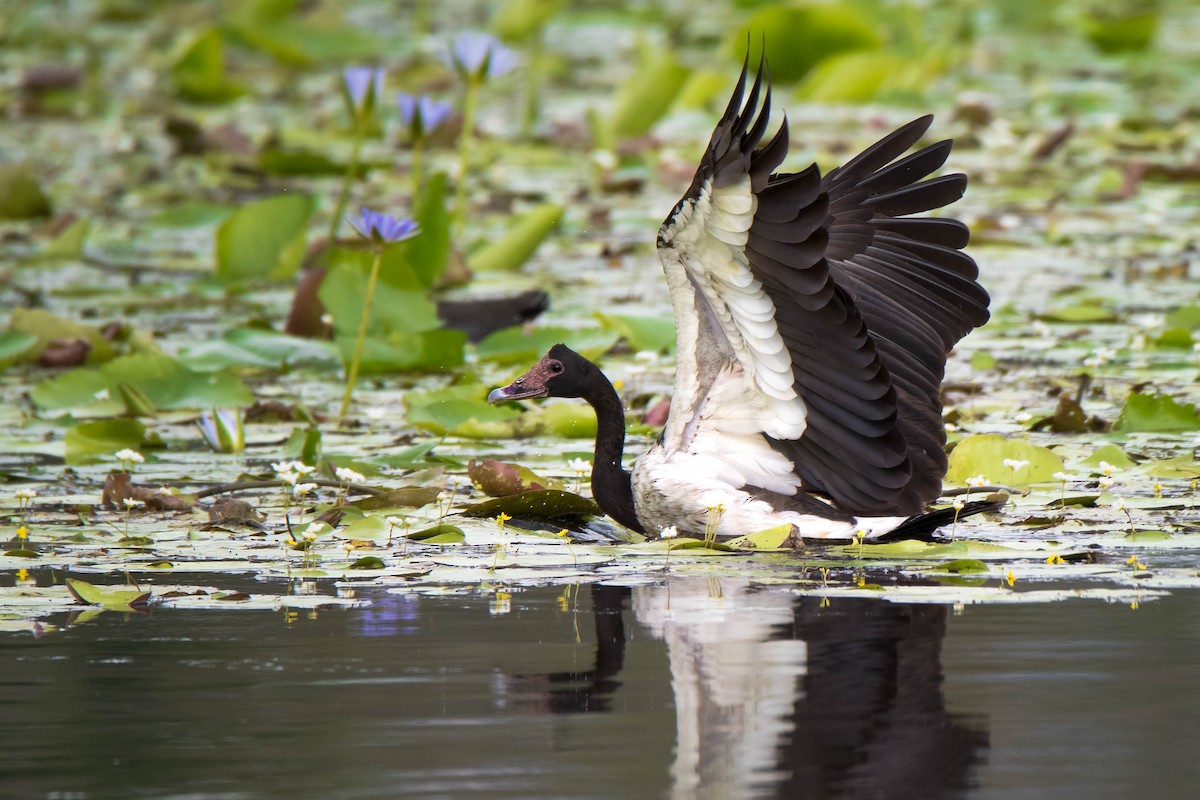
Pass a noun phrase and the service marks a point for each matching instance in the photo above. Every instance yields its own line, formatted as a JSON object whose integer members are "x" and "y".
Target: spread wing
{"x": 838, "y": 306}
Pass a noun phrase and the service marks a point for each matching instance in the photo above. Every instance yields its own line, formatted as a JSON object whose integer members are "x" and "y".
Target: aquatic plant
{"x": 381, "y": 230}
{"x": 475, "y": 57}
{"x": 421, "y": 115}
{"x": 223, "y": 430}
{"x": 362, "y": 87}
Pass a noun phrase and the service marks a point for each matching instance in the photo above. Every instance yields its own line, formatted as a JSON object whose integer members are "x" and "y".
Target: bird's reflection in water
{"x": 778, "y": 696}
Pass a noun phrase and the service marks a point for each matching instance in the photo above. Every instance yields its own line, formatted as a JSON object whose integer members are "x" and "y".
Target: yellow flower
{"x": 22, "y": 533}
{"x": 1055, "y": 559}
{"x": 1011, "y": 578}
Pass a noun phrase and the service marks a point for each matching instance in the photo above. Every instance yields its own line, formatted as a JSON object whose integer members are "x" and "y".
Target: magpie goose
{"x": 813, "y": 316}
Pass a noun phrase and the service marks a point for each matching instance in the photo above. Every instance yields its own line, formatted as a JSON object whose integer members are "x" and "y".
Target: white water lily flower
{"x": 376, "y": 413}
{"x": 958, "y": 504}
{"x": 25, "y": 494}
{"x": 1119, "y": 504}
{"x": 1106, "y": 483}
{"x": 1064, "y": 477}
{"x": 132, "y": 456}
{"x": 976, "y": 481}
{"x": 131, "y": 503}
{"x": 579, "y": 465}
{"x": 301, "y": 489}
{"x": 348, "y": 475}
{"x": 669, "y": 532}
{"x": 1106, "y": 469}
{"x": 302, "y": 468}
{"x": 1015, "y": 464}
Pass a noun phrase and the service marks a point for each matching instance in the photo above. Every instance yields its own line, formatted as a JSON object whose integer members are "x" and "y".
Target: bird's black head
{"x": 561, "y": 373}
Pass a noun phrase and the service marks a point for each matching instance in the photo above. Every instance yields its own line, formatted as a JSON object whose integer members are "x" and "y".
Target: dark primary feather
{"x": 868, "y": 300}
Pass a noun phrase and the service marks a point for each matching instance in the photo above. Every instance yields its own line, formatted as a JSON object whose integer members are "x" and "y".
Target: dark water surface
{"x": 711, "y": 689}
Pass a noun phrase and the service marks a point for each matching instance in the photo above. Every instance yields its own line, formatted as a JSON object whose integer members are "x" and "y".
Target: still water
{"x": 692, "y": 689}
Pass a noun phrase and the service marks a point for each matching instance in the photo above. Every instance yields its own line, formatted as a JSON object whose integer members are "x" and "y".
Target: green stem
{"x": 360, "y": 130}
{"x": 531, "y": 84}
{"x": 352, "y": 374}
{"x": 416, "y": 167}
{"x": 464, "y": 147}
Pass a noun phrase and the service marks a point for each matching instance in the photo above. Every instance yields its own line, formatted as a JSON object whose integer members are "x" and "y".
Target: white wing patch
{"x": 707, "y": 238}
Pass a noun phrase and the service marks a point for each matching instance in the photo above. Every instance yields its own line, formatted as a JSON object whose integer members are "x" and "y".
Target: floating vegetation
{"x": 177, "y": 289}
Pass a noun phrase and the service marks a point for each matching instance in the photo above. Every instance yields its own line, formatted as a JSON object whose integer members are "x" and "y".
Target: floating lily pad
{"x": 118, "y": 598}
{"x": 985, "y": 455}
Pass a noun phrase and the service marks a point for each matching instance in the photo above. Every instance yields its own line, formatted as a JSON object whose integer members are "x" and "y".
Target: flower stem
{"x": 352, "y": 373}
{"x": 360, "y": 130}
{"x": 464, "y": 148}
{"x": 416, "y": 167}
{"x": 531, "y": 84}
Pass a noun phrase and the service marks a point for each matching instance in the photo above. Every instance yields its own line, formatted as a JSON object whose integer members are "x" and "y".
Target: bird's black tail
{"x": 922, "y": 526}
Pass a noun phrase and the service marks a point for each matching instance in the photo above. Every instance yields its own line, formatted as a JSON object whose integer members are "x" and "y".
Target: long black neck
{"x": 611, "y": 484}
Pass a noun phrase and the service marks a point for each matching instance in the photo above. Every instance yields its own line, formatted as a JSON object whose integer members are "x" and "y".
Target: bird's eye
{"x": 556, "y": 367}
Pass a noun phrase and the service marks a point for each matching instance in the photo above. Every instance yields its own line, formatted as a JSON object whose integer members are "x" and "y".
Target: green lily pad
{"x": 118, "y": 598}
{"x": 521, "y": 345}
{"x": 985, "y": 454}
{"x": 439, "y": 534}
{"x": 264, "y": 239}
{"x": 152, "y": 379}
{"x": 1157, "y": 413}
{"x": 653, "y": 334}
{"x": 88, "y": 442}
{"x": 517, "y": 245}
{"x": 775, "y": 538}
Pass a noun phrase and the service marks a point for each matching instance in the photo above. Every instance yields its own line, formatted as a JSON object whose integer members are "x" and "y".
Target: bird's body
{"x": 813, "y": 320}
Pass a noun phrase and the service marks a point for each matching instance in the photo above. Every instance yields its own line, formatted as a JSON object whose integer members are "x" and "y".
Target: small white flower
{"x": 281, "y": 466}
{"x": 1119, "y": 504}
{"x": 102, "y": 394}
{"x": 976, "y": 481}
{"x": 1062, "y": 476}
{"x": 950, "y": 427}
{"x": 1106, "y": 483}
{"x": 646, "y": 356}
{"x": 131, "y": 503}
{"x": 444, "y": 497}
{"x": 1148, "y": 321}
{"x": 958, "y": 504}
{"x": 1015, "y": 464}
{"x": 605, "y": 159}
{"x": 348, "y": 475}
{"x": 376, "y": 413}
{"x": 25, "y": 494}
{"x": 1106, "y": 468}
{"x": 1023, "y": 417}
{"x": 302, "y": 468}
{"x": 580, "y": 466}
{"x": 669, "y": 532}
{"x": 393, "y": 522}
{"x": 132, "y": 456}
{"x": 289, "y": 477}
{"x": 301, "y": 489}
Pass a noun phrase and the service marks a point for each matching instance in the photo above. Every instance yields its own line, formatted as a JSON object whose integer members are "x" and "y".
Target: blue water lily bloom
{"x": 359, "y": 83}
{"x": 422, "y": 114}
{"x": 383, "y": 228}
{"x": 480, "y": 55}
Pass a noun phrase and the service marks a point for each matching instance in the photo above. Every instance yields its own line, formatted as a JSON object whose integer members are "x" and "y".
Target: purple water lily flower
{"x": 383, "y": 228}
{"x": 422, "y": 114}
{"x": 480, "y": 55}
{"x": 360, "y": 80}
